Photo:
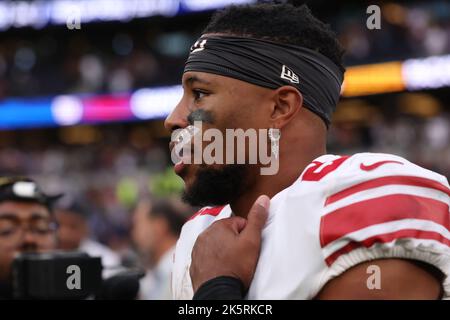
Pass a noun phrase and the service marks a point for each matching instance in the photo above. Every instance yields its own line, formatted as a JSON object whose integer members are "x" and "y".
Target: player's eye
{"x": 198, "y": 94}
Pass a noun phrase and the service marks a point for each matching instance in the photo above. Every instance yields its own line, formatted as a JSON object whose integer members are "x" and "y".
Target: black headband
{"x": 271, "y": 65}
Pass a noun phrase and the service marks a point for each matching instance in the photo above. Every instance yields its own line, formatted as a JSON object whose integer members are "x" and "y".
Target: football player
{"x": 276, "y": 67}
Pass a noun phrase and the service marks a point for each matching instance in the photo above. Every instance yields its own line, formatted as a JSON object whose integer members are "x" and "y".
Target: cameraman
{"x": 26, "y": 225}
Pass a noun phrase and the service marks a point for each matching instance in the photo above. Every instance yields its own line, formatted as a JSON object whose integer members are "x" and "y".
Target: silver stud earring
{"x": 274, "y": 136}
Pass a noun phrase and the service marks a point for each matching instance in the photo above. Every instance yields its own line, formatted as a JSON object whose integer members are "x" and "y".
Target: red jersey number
{"x": 320, "y": 169}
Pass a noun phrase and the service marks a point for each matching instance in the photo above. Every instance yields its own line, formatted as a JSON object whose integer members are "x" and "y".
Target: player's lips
{"x": 179, "y": 168}
{"x": 181, "y": 165}
{"x": 184, "y": 157}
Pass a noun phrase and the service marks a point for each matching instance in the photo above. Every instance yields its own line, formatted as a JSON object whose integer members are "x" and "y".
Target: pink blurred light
{"x": 107, "y": 108}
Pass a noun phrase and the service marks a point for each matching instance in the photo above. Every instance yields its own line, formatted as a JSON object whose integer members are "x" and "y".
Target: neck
{"x": 270, "y": 185}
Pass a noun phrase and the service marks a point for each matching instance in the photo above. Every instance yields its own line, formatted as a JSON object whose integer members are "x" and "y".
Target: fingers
{"x": 257, "y": 217}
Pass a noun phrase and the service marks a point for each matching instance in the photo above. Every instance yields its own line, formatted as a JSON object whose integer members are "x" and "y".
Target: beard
{"x": 216, "y": 187}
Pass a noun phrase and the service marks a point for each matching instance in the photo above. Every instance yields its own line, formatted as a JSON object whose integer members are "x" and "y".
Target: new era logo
{"x": 289, "y": 75}
{"x": 198, "y": 46}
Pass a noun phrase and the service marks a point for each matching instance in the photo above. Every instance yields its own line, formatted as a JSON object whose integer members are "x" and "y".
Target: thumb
{"x": 257, "y": 217}
{"x": 237, "y": 224}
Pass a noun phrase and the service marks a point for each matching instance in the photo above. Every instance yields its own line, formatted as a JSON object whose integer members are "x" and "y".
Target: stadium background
{"x": 81, "y": 110}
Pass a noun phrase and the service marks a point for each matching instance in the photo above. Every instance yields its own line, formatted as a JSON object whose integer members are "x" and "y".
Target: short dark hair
{"x": 163, "y": 208}
{"x": 278, "y": 22}
{"x": 75, "y": 208}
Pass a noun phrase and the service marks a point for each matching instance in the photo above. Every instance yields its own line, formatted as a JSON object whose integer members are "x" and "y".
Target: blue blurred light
{"x": 20, "y": 113}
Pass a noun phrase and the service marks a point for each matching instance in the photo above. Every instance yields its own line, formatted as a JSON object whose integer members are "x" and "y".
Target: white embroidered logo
{"x": 198, "y": 46}
{"x": 289, "y": 75}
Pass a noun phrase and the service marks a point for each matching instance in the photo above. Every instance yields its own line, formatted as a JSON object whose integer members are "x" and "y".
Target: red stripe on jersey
{"x": 379, "y": 182}
{"x": 208, "y": 211}
{"x": 385, "y": 238}
{"x": 356, "y": 216}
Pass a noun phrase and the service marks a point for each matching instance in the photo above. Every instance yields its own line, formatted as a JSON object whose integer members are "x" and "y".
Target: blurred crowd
{"x": 102, "y": 58}
{"x": 108, "y": 176}
{"x": 96, "y": 59}
{"x": 408, "y": 30}
{"x": 425, "y": 142}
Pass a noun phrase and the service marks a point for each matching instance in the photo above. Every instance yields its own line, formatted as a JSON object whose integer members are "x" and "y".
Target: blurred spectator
{"x": 26, "y": 225}
{"x": 156, "y": 228}
{"x": 74, "y": 235}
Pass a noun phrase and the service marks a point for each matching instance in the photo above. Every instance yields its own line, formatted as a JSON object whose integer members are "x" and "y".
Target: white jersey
{"x": 342, "y": 211}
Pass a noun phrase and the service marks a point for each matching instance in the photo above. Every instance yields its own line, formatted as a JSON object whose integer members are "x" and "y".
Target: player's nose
{"x": 178, "y": 118}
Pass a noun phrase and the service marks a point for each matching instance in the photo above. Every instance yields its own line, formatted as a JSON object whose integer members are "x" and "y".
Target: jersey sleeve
{"x": 383, "y": 206}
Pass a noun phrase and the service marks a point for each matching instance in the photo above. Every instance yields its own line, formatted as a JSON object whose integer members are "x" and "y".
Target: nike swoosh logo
{"x": 377, "y": 164}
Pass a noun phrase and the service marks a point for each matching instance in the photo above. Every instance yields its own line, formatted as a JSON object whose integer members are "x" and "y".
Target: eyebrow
{"x": 192, "y": 79}
{"x": 34, "y": 216}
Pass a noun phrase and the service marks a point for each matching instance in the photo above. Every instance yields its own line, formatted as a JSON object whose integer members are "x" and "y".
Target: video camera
{"x": 69, "y": 276}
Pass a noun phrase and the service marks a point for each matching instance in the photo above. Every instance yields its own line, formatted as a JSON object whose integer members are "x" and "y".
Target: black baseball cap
{"x": 26, "y": 190}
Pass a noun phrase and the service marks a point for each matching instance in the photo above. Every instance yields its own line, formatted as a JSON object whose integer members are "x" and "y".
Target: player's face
{"x": 220, "y": 103}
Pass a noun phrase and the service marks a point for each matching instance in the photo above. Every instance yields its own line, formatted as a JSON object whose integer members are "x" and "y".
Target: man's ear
{"x": 288, "y": 101}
